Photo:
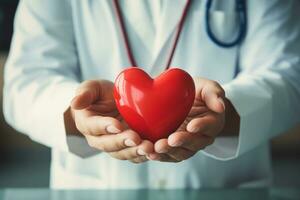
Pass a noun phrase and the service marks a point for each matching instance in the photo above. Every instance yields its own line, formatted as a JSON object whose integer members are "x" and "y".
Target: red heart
{"x": 154, "y": 108}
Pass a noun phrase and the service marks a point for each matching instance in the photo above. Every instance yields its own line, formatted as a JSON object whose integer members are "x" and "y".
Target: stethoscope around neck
{"x": 240, "y": 9}
{"x": 240, "y": 6}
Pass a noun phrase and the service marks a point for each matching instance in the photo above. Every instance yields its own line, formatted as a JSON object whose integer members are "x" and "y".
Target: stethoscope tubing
{"x": 241, "y": 10}
{"x": 129, "y": 51}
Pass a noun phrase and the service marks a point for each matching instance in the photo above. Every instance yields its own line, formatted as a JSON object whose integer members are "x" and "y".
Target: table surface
{"x": 203, "y": 194}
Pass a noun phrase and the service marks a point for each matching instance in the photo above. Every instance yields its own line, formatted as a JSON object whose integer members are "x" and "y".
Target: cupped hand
{"x": 97, "y": 119}
{"x": 203, "y": 124}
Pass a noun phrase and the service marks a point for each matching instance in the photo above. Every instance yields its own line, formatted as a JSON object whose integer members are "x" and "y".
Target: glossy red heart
{"x": 154, "y": 108}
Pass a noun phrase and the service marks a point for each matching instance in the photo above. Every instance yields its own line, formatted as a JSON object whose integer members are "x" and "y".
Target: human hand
{"x": 96, "y": 117}
{"x": 203, "y": 124}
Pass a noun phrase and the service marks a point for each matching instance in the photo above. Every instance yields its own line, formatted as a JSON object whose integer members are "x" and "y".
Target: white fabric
{"x": 59, "y": 43}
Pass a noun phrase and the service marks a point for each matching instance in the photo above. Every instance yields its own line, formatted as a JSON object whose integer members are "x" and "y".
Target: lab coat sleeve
{"x": 266, "y": 93}
{"x": 42, "y": 72}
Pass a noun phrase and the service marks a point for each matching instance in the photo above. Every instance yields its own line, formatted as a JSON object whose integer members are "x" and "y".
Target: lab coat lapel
{"x": 172, "y": 12}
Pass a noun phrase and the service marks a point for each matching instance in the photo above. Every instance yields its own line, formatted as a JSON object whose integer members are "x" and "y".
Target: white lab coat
{"x": 59, "y": 43}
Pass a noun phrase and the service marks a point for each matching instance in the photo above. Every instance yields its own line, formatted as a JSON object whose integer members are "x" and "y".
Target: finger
{"x": 161, "y": 157}
{"x": 86, "y": 94}
{"x": 115, "y": 114}
{"x": 213, "y": 95}
{"x": 104, "y": 106}
{"x": 139, "y": 159}
{"x": 190, "y": 141}
{"x": 99, "y": 125}
{"x": 95, "y": 112}
{"x": 197, "y": 110}
{"x": 91, "y": 91}
{"x": 177, "y": 153}
{"x": 161, "y": 146}
{"x": 144, "y": 148}
{"x": 210, "y": 125}
{"x": 117, "y": 142}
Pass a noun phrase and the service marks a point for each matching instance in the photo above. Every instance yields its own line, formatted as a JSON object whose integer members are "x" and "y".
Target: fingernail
{"x": 176, "y": 144}
{"x": 141, "y": 152}
{"x": 222, "y": 102}
{"x": 112, "y": 129}
{"x": 129, "y": 143}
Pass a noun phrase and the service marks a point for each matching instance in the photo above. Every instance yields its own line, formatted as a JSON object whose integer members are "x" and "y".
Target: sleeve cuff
{"x": 254, "y": 108}
{"x": 55, "y": 119}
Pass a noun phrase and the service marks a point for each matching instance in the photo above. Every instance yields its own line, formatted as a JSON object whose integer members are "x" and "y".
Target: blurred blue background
{"x": 24, "y": 163}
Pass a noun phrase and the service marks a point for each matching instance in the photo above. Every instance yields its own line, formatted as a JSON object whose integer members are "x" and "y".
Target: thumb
{"x": 214, "y": 97}
{"x": 87, "y": 93}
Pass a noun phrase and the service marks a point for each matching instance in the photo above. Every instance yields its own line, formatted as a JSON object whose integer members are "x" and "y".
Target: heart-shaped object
{"x": 154, "y": 108}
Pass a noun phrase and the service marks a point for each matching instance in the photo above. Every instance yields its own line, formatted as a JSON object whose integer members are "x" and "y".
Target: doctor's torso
{"x": 151, "y": 26}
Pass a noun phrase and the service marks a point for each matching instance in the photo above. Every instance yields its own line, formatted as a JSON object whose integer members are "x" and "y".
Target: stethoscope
{"x": 240, "y": 8}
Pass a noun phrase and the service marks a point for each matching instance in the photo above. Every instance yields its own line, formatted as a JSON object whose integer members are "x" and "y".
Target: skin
{"x": 93, "y": 114}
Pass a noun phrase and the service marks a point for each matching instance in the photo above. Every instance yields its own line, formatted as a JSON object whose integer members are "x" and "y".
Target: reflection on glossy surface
{"x": 154, "y": 107}
{"x": 207, "y": 194}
